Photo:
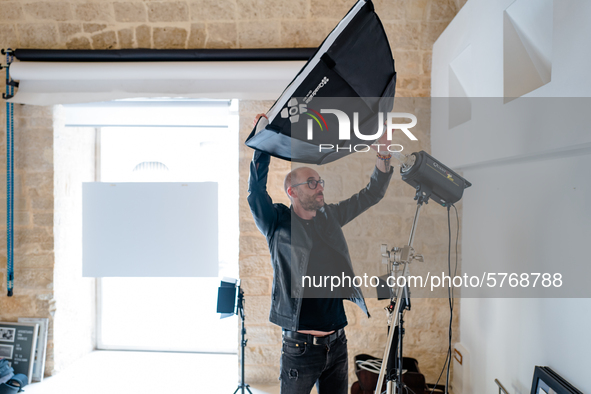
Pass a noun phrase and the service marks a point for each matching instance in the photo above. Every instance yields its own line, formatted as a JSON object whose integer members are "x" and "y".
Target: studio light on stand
{"x": 431, "y": 180}
{"x": 231, "y": 302}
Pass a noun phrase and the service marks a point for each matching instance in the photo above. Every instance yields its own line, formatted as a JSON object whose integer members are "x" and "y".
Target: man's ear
{"x": 290, "y": 192}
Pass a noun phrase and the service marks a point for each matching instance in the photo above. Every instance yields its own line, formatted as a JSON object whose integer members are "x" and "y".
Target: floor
{"x": 117, "y": 372}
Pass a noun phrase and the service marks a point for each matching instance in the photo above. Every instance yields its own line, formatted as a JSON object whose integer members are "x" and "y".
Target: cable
{"x": 457, "y": 236}
{"x": 9, "y": 178}
{"x": 442, "y": 370}
{"x": 370, "y": 365}
{"x": 451, "y": 301}
{"x": 447, "y": 362}
{"x": 451, "y": 289}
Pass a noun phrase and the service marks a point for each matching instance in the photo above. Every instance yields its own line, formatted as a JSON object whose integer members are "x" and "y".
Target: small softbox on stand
{"x": 227, "y": 298}
{"x": 229, "y": 304}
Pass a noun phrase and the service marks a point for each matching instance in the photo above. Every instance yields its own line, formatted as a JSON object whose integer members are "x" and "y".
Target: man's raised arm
{"x": 261, "y": 204}
{"x": 350, "y": 208}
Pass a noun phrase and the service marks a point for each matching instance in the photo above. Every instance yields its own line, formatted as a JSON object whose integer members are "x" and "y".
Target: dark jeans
{"x": 304, "y": 364}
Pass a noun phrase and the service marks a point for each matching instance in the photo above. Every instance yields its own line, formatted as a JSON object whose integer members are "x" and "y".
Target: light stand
{"x": 431, "y": 180}
{"x": 396, "y": 258}
{"x": 230, "y": 302}
{"x": 240, "y": 310}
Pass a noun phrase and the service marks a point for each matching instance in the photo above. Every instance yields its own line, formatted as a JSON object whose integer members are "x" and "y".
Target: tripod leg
{"x": 393, "y": 324}
{"x": 390, "y": 387}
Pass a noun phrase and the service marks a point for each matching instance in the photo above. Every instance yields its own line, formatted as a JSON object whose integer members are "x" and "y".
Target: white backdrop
{"x": 50, "y": 83}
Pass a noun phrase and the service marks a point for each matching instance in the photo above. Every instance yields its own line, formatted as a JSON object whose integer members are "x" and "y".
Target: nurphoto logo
{"x": 317, "y": 122}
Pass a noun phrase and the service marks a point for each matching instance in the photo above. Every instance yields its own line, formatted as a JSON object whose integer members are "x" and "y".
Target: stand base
{"x": 242, "y": 388}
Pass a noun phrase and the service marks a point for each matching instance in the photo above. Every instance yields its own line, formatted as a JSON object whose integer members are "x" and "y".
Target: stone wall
{"x": 47, "y": 230}
{"x": 412, "y": 27}
{"x": 33, "y": 219}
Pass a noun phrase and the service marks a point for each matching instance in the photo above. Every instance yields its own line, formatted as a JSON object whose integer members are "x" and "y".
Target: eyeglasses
{"x": 312, "y": 183}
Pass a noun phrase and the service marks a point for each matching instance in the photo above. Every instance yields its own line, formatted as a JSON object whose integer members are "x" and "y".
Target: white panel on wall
{"x": 524, "y": 127}
{"x": 460, "y": 88}
{"x": 527, "y": 46}
{"x": 150, "y": 229}
{"x": 461, "y": 67}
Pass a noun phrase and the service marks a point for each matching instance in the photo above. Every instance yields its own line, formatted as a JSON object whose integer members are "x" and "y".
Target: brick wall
{"x": 33, "y": 219}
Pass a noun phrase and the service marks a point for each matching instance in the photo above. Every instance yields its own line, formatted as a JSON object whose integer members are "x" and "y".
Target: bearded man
{"x": 306, "y": 239}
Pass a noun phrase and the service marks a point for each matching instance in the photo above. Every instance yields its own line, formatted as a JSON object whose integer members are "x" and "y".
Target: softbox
{"x": 354, "y": 62}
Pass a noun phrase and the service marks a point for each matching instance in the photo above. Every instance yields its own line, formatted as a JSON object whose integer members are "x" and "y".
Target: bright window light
{"x": 172, "y": 314}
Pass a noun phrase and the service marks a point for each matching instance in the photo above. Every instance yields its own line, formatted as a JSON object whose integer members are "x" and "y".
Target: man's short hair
{"x": 290, "y": 179}
{"x": 287, "y": 182}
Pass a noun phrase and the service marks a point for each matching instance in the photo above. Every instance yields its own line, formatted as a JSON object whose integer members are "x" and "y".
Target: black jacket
{"x": 289, "y": 243}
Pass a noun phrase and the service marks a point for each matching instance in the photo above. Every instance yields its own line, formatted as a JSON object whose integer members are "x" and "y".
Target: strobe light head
{"x": 432, "y": 179}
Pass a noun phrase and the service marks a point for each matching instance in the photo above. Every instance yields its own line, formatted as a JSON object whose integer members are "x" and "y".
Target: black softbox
{"x": 354, "y": 62}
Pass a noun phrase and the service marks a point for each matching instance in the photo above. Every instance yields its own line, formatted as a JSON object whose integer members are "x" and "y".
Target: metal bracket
{"x": 501, "y": 387}
{"x": 9, "y": 81}
{"x": 7, "y": 96}
{"x": 423, "y": 194}
{"x": 397, "y": 255}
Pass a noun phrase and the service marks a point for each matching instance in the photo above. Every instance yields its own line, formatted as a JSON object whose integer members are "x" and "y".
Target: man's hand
{"x": 254, "y": 123}
{"x": 381, "y": 145}
{"x": 383, "y": 156}
{"x": 256, "y": 119}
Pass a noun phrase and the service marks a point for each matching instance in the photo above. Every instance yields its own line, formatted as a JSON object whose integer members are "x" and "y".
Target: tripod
{"x": 399, "y": 302}
{"x": 240, "y": 309}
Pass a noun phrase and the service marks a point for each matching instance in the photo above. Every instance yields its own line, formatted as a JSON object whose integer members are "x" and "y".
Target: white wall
{"x": 74, "y": 330}
{"x": 527, "y": 206}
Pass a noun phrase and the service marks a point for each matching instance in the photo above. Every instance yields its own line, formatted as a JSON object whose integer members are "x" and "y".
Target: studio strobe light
{"x": 431, "y": 179}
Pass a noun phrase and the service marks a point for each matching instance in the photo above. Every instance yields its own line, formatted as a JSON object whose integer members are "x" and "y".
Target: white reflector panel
{"x": 150, "y": 229}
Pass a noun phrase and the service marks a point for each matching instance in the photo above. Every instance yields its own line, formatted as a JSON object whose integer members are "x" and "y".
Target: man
{"x": 307, "y": 240}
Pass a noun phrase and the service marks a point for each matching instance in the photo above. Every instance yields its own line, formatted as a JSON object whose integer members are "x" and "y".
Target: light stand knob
{"x": 385, "y": 254}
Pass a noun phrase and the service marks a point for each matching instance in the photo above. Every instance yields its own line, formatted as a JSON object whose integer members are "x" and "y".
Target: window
{"x": 172, "y": 314}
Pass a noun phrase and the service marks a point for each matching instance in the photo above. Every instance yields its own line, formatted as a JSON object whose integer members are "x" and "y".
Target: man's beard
{"x": 310, "y": 203}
